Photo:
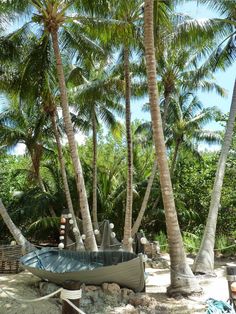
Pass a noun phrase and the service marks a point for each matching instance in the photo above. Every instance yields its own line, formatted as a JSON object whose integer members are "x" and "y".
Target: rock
{"x": 130, "y": 309}
{"x": 126, "y": 294}
{"x": 111, "y": 289}
{"x": 91, "y": 295}
{"x": 90, "y": 288}
{"x": 142, "y": 300}
{"x": 46, "y": 288}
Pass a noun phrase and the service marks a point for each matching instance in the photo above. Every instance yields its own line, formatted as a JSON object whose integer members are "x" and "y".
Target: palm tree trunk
{"x": 204, "y": 262}
{"x": 138, "y": 221}
{"x": 90, "y": 242}
{"x": 36, "y": 165}
{"x": 16, "y": 233}
{"x": 94, "y": 211}
{"x": 182, "y": 279}
{"x": 127, "y": 244}
{"x": 174, "y": 159}
{"x": 78, "y": 240}
{"x": 166, "y": 109}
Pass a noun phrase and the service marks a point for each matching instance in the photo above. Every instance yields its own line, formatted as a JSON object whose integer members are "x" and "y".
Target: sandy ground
{"x": 24, "y": 285}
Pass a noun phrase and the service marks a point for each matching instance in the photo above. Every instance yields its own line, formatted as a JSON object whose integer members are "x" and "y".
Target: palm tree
{"x": 96, "y": 99}
{"x": 36, "y": 82}
{"x": 185, "y": 123}
{"x": 126, "y": 36}
{"x": 222, "y": 57}
{"x": 182, "y": 279}
{"x": 52, "y": 15}
{"x": 16, "y": 233}
{"x": 27, "y": 126}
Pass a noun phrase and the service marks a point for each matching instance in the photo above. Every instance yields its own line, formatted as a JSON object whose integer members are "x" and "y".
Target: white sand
{"x": 24, "y": 285}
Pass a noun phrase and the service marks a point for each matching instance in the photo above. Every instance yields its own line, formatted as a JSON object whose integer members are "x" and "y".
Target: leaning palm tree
{"x": 222, "y": 57}
{"x": 15, "y": 231}
{"x": 182, "y": 279}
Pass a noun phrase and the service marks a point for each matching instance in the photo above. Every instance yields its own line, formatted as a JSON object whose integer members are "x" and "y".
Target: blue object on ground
{"x": 219, "y": 307}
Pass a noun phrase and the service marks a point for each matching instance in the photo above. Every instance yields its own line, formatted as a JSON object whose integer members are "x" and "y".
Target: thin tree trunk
{"x": 15, "y": 231}
{"x": 174, "y": 159}
{"x": 90, "y": 242}
{"x": 127, "y": 244}
{"x": 94, "y": 211}
{"x": 204, "y": 262}
{"x": 78, "y": 240}
{"x": 138, "y": 221}
{"x": 182, "y": 279}
{"x": 166, "y": 110}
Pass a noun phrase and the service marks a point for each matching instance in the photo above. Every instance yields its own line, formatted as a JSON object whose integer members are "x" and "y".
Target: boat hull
{"x": 125, "y": 269}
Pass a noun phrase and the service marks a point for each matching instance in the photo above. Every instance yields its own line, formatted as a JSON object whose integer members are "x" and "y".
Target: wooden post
{"x": 67, "y": 308}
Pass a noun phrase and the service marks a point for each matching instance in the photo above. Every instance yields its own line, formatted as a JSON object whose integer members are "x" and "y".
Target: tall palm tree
{"x": 221, "y": 57}
{"x": 126, "y": 36}
{"x": 96, "y": 98}
{"x": 36, "y": 82}
{"x": 177, "y": 67}
{"x": 52, "y": 15}
{"x": 182, "y": 279}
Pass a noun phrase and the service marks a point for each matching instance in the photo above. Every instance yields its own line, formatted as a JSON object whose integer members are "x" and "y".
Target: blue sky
{"x": 224, "y": 79}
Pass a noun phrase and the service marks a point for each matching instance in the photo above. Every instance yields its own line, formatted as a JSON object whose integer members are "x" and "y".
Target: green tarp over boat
{"x": 123, "y": 268}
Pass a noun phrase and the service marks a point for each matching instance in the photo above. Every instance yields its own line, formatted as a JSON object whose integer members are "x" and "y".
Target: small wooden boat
{"x": 94, "y": 268}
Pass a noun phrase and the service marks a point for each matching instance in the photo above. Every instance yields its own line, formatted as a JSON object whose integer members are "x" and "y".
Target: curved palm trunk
{"x": 127, "y": 245}
{"x": 182, "y": 279}
{"x": 138, "y": 221}
{"x": 78, "y": 240}
{"x": 94, "y": 211}
{"x": 15, "y": 231}
{"x": 35, "y": 155}
{"x": 204, "y": 262}
{"x": 36, "y": 165}
{"x": 90, "y": 241}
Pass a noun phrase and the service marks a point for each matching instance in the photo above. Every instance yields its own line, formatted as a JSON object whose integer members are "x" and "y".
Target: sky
{"x": 224, "y": 79}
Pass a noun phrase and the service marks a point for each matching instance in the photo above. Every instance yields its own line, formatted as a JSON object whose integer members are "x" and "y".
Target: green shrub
{"x": 162, "y": 239}
{"x": 225, "y": 245}
{"x": 191, "y": 242}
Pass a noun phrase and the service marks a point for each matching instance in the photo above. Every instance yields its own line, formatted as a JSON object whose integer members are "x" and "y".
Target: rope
{"x": 181, "y": 274}
{"x": 31, "y": 300}
{"x": 74, "y": 307}
{"x": 65, "y": 295}
{"x": 70, "y": 294}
